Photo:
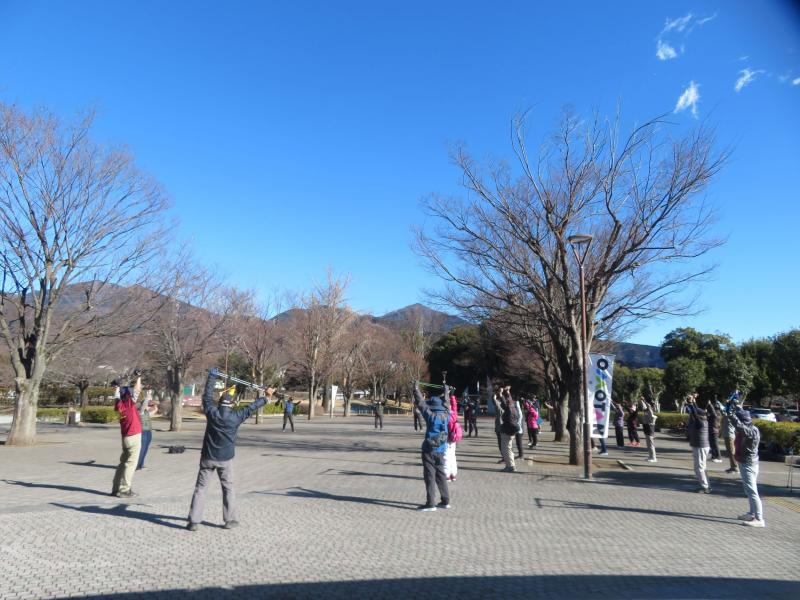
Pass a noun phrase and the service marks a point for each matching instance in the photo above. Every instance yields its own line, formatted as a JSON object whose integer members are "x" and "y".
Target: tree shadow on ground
{"x": 299, "y": 492}
{"x": 676, "y": 482}
{"x": 87, "y": 463}
{"x": 53, "y": 486}
{"x": 573, "y": 586}
{"x": 365, "y": 474}
{"x": 124, "y": 510}
{"x": 569, "y": 504}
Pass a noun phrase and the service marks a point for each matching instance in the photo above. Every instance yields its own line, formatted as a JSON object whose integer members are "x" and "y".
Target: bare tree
{"x": 320, "y": 324}
{"x": 92, "y": 362}
{"x": 381, "y": 356}
{"x": 76, "y": 220}
{"x": 263, "y": 341}
{"x": 194, "y": 309}
{"x": 353, "y": 345}
{"x": 506, "y": 247}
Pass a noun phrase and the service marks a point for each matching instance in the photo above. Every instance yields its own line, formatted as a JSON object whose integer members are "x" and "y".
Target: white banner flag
{"x": 600, "y": 376}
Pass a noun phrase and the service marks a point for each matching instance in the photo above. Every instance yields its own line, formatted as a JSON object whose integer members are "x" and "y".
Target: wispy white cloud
{"x": 676, "y": 31}
{"x": 664, "y": 51}
{"x": 743, "y": 58}
{"x": 689, "y": 99}
{"x": 703, "y": 21}
{"x": 746, "y": 77}
{"x": 796, "y": 81}
{"x": 678, "y": 24}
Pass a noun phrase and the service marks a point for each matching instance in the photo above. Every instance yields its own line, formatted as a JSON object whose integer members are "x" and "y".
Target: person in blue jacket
{"x": 436, "y": 416}
{"x": 219, "y": 447}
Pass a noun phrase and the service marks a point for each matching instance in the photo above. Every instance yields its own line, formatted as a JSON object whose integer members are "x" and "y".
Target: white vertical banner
{"x": 334, "y": 390}
{"x": 600, "y": 376}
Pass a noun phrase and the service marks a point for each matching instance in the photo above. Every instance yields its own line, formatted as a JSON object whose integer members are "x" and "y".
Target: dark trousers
{"x": 417, "y": 421}
{"x": 620, "y": 431}
{"x": 499, "y": 442}
{"x": 433, "y": 473}
{"x": 378, "y": 421}
{"x": 533, "y": 435}
{"x": 290, "y": 418}
{"x": 147, "y": 437}
{"x": 712, "y": 443}
{"x": 472, "y": 424}
{"x": 518, "y": 437}
{"x": 633, "y": 435}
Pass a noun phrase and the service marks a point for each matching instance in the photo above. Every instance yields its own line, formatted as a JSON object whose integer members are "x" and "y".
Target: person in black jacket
{"x": 219, "y": 446}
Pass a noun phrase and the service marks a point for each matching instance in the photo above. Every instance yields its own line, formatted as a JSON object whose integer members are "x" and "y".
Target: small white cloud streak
{"x": 701, "y": 22}
{"x": 796, "y": 81}
{"x": 689, "y": 99}
{"x": 746, "y": 77}
{"x": 678, "y": 24}
{"x": 664, "y": 51}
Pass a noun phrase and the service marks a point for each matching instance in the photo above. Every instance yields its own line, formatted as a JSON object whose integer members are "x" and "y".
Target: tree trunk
{"x": 347, "y": 399}
{"x": 176, "y": 401}
{"x": 83, "y": 390}
{"x": 23, "y": 427}
{"x": 575, "y": 425}
{"x": 312, "y": 397}
{"x": 326, "y": 398}
{"x": 561, "y": 410}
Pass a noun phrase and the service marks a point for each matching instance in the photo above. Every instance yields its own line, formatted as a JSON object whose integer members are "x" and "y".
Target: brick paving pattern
{"x": 329, "y": 512}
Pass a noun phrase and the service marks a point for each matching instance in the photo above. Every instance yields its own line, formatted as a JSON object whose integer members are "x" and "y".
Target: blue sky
{"x": 310, "y": 131}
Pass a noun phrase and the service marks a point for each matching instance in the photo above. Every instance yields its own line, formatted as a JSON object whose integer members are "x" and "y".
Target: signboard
{"x": 600, "y": 375}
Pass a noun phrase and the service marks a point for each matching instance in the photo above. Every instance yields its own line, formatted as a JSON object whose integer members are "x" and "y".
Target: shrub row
{"x": 51, "y": 414}
{"x": 99, "y": 414}
{"x": 780, "y": 438}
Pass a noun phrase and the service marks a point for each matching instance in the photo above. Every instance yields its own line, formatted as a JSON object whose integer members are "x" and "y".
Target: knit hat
{"x": 125, "y": 393}
{"x": 435, "y": 402}
{"x": 744, "y": 416}
{"x": 227, "y": 398}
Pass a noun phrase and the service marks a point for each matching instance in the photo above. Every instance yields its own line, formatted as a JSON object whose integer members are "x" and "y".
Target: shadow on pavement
{"x": 543, "y": 503}
{"x": 365, "y": 474}
{"x": 528, "y": 586}
{"x": 87, "y": 463}
{"x": 318, "y": 495}
{"x": 53, "y": 486}
{"x": 124, "y": 510}
{"x": 729, "y": 486}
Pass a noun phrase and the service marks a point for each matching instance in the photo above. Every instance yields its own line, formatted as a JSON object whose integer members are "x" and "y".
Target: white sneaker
{"x": 746, "y": 517}
{"x": 651, "y": 460}
{"x": 716, "y": 460}
{"x": 603, "y": 454}
{"x": 755, "y": 523}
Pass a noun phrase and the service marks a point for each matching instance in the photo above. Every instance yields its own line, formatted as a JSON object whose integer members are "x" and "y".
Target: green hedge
{"x": 51, "y": 413}
{"x": 672, "y": 421}
{"x": 780, "y": 438}
{"x": 99, "y": 414}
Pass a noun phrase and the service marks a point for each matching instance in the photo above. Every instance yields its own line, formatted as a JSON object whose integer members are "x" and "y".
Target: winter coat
{"x": 222, "y": 424}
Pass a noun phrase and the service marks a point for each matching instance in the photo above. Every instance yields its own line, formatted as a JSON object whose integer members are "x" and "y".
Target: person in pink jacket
{"x": 532, "y": 421}
{"x": 454, "y": 434}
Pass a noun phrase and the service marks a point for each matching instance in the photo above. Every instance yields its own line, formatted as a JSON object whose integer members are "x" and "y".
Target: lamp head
{"x": 579, "y": 239}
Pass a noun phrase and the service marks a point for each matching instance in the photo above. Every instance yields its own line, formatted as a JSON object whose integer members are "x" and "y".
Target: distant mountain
{"x": 635, "y": 356}
{"x": 410, "y": 317}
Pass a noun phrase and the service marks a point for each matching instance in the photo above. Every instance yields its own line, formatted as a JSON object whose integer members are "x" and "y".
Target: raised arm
{"x": 208, "y": 393}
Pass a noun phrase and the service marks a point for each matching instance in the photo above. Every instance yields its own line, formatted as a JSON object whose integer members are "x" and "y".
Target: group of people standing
{"x": 439, "y": 414}
{"x": 741, "y": 438}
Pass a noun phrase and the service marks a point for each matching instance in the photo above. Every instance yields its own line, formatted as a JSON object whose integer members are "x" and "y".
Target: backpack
{"x": 454, "y": 432}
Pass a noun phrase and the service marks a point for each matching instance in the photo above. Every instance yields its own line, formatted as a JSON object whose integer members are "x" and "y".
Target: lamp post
{"x": 584, "y": 240}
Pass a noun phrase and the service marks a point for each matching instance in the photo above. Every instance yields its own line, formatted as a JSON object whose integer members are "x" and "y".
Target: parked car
{"x": 764, "y": 414}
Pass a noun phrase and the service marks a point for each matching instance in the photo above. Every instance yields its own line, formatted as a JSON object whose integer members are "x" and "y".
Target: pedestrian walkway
{"x": 328, "y": 511}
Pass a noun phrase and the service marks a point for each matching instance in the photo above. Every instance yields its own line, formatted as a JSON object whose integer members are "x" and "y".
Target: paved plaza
{"x": 329, "y": 511}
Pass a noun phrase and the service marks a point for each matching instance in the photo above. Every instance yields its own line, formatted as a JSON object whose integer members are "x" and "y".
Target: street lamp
{"x": 584, "y": 240}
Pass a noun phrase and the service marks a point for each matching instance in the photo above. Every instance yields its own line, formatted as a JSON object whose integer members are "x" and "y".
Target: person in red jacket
{"x": 131, "y": 428}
